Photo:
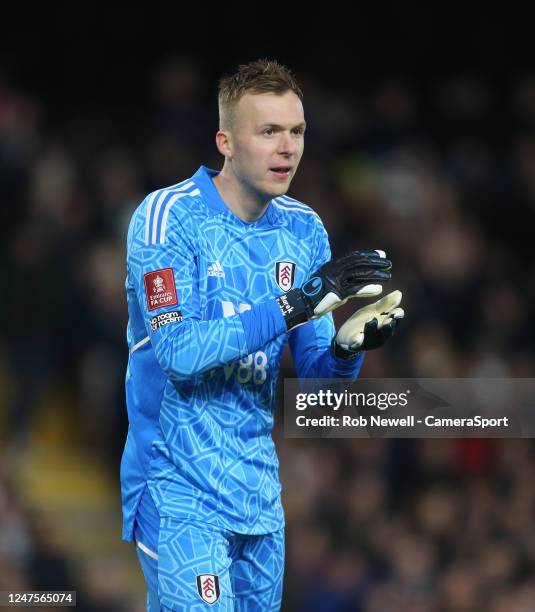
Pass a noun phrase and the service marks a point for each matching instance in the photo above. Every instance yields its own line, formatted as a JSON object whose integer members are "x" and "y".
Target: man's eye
{"x": 268, "y": 132}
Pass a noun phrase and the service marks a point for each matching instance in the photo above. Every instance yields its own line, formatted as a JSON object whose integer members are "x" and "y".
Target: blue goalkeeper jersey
{"x": 205, "y": 337}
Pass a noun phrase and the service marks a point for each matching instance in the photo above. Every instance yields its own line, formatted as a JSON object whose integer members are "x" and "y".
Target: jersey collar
{"x": 203, "y": 179}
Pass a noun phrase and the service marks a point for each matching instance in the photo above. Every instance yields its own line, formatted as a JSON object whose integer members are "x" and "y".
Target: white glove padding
{"x": 371, "y": 326}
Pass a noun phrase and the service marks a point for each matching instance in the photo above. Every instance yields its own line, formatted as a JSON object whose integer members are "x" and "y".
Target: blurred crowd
{"x": 406, "y": 526}
{"x": 439, "y": 173}
{"x": 36, "y": 555}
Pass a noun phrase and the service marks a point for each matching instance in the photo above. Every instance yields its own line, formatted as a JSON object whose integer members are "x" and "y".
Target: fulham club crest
{"x": 285, "y": 274}
{"x": 208, "y": 587}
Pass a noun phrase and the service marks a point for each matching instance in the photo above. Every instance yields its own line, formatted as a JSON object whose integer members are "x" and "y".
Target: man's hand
{"x": 359, "y": 274}
{"x": 370, "y": 327}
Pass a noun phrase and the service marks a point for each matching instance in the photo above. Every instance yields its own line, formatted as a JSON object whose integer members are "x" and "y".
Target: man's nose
{"x": 287, "y": 145}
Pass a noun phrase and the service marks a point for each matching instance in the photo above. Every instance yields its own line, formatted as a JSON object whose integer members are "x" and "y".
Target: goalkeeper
{"x": 223, "y": 269}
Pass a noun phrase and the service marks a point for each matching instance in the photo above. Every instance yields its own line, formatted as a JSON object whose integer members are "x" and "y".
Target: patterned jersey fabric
{"x": 205, "y": 335}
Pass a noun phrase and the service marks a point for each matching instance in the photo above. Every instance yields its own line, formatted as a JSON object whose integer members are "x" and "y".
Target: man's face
{"x": 268, "y": 140}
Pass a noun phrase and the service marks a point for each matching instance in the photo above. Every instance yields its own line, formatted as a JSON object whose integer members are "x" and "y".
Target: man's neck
{"x": 244, "y": 203}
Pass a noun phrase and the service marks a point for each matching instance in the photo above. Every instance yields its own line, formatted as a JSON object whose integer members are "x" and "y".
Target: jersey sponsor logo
{"x": 173, "y": 316}
{"x": 216, "y": 269}
{"x": 208, "y": 587}
{"x": 160, "y": 288}
{"x": 285, "y": 274}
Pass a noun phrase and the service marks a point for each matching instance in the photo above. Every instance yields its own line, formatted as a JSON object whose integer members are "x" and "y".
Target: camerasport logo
{"x": 285, "y": 274}
{"x": 160, "y": 288}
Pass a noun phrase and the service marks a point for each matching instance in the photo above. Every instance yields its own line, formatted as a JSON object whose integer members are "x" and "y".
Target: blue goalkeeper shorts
{"x": 199, "y": 567}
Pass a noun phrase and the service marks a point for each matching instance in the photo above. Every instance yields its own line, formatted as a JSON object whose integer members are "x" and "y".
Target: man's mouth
{"x": 281, "y": 171}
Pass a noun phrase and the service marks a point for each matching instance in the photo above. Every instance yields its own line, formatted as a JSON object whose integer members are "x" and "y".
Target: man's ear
{"x": 224, "y": 143}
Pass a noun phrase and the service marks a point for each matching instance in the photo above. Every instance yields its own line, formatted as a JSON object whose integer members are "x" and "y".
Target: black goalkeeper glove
{"x": 359, "y": 274}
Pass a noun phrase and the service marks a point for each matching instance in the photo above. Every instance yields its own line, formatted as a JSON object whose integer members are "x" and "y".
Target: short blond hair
{"x": 260, "y": 76}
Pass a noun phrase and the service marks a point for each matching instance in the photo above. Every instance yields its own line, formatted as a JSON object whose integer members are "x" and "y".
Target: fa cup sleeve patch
{"x": 160, "y": 288}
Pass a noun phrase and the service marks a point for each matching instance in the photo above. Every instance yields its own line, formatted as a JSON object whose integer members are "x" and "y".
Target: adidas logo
{"x": 216, "y": 269}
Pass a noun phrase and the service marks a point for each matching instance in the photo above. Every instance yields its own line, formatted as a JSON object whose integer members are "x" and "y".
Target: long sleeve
{"x": 311, "y": 349}
{"x": 164, "y": 276}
